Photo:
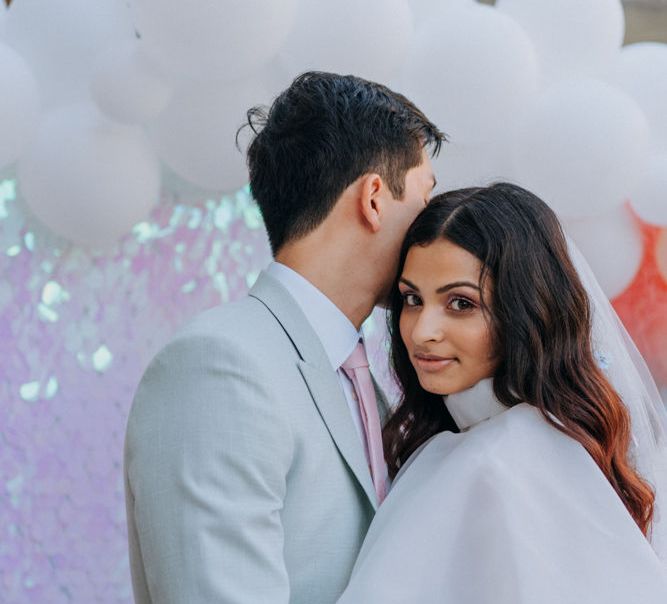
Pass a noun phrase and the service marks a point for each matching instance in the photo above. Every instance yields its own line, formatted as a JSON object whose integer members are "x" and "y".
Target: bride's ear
{"x": 371, "y": 201}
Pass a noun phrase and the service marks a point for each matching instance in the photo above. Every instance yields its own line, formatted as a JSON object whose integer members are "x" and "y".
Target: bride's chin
{"x": 432, "y": 388}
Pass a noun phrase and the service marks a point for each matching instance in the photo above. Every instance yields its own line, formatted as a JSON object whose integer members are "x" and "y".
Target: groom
{"x": 253, "y": 453}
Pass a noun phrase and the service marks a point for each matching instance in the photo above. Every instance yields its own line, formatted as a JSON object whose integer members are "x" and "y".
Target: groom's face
{"x": 419, "y": 185}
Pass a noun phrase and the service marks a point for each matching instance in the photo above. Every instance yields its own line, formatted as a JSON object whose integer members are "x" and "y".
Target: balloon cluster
{"x": 535, "y": 91}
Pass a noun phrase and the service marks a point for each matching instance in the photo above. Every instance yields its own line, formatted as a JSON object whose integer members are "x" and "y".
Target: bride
{"x": 521, "y": 474}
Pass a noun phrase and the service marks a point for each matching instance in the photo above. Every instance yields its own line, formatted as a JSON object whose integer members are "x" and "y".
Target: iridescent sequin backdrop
{"x": 77, "y": 330}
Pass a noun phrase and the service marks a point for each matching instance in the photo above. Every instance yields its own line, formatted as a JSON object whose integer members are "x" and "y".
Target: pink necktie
{"x": 356, "y": 368}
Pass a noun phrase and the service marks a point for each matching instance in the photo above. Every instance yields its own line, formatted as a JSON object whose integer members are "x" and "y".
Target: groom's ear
{"x": 371, "y": 200}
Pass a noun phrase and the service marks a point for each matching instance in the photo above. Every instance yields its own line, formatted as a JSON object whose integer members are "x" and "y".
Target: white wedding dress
{"x": 509, "y": 511}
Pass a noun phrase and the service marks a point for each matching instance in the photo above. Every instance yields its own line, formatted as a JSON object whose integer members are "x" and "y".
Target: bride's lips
{"x": 431, "y": 363}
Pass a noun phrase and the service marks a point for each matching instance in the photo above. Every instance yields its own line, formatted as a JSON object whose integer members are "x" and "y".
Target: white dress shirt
{"x": 335, "y": 331}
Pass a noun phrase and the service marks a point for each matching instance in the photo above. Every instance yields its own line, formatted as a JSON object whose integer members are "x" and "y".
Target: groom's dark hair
{"x": 318, "y": 137}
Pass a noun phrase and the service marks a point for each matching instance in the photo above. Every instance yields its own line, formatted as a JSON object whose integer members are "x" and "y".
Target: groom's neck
{"x": 339, "y": 273}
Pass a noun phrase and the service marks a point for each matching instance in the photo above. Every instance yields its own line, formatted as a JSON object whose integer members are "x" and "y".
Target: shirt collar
{"x": 474, "y": 405}
{"x": 335, "y": 331}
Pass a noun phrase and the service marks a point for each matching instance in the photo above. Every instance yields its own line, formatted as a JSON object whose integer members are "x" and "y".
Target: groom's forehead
{"x": 424, "y": 172}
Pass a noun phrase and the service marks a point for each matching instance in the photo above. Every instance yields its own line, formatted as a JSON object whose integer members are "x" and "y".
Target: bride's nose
{"x": 429, "y": 326}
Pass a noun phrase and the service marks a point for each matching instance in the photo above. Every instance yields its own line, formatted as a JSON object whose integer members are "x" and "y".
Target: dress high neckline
{"x": 474, "y": 405}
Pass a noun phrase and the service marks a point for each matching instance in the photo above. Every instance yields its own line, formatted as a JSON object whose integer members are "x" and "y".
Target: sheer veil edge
{"x": 624, "y": 366}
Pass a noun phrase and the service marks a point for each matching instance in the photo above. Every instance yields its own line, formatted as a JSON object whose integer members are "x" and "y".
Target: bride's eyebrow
{"x": 408, "y": 283}
{"x": 444, "y": 288}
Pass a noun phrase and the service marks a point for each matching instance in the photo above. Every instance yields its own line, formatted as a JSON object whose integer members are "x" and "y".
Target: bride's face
{"x": 443, "y": 326}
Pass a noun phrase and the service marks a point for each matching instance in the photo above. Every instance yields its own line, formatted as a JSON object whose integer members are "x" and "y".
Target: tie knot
{"x": 357, "y": 359}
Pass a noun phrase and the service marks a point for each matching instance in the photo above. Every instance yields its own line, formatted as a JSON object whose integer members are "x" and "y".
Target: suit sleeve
{"x": 207, "y": 454}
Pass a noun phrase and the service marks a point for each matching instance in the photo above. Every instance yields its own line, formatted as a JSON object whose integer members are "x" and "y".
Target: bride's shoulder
{"x": 505, "y": 445}
{"x": 520, "y": 422}
{"x": 514, "y": 446}
{"x": 517, "y": 437}
{"x": 512, "y": 424}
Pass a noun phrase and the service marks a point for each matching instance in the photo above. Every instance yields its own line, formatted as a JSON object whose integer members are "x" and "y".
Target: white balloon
{"x": 19, "y": 105}
{"x": 458, "y": 166}
{"x": 369, "y": 39}
{"x": 641, "y": 70}
{"x": 195, "y": 134}
{"x": 176, "y": 190}
{"x": 612, "y": 244}
{"x": 423, "y": 10}
{"x": 61, "y": 40}
{"x": 206, "y": 40}
{"x": 649, "y": 196}
{"x": 571, "y": 36}
{"x": 275, "y": 77}
{"x": 87, "y": 178}
{"x": 128, "y": 87}
{"x": 474, "y": 72}
{"x": 581, "y": 147}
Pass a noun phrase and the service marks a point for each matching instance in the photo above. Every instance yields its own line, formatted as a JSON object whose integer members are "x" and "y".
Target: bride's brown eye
{"x": 461, "y": 304}
{"x": 410, "y": 299}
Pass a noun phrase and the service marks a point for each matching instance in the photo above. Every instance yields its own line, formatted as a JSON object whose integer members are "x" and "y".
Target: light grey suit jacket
{"x": 245, "y": 479}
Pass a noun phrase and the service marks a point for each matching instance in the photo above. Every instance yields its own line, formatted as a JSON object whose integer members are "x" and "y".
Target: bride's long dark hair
{"x": 541, "y": 328}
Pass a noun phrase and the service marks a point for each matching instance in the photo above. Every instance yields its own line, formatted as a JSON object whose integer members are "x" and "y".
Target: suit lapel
{"x": 321, "y": 379}
{"x": 327, "y": 394}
